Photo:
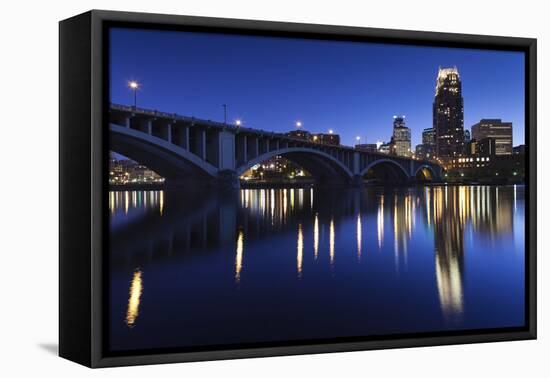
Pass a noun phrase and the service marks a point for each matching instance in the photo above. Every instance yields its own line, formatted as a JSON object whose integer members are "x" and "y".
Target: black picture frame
{"x": 83, "y": 101}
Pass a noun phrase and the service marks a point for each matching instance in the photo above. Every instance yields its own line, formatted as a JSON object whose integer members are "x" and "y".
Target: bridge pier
{"x": 357, "y": 181}
{"x": 228, "y": 180}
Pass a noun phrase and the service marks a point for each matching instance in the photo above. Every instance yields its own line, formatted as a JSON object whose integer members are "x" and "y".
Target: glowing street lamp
{"x": 357, "y": 138}
{"x": 238, "y": 122}
{"x": 298, "y": 124}
{"x": 330, "y": 131}
{"x": 134, "y": 85}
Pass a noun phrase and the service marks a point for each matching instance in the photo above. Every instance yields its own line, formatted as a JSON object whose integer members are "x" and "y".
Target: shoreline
{"x": 162, "y": 186}
{"x": 124, "y": 187}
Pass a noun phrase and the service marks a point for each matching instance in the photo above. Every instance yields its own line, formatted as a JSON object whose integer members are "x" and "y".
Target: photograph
{"x": 266, "y": 191}
{"x": 275, "y": 189}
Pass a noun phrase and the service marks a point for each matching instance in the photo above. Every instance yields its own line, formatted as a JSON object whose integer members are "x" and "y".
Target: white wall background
{"x": 29, "y": 189}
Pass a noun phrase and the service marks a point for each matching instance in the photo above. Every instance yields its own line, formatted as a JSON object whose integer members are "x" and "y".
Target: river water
{"x": 270, "y": 265}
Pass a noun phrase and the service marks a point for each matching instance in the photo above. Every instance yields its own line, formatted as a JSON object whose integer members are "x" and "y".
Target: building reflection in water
{"x": 285, "y": 203}
{"x": 136, "y": 287}
{"x": 380, "y": 222}
{"x": 161, "y": 201}
{"x": 132, "y": 200}
{"x": 359, "y": 233}
{"x": 487, "y": 210}
{"x": 448, "y": 268}
{"x": 299, "y": 251}
{"x": 239, "y": 255}
{"x": 112, "y": 202}
{"x": 272, "y": 204}
{"x": 331, "y": 241}
{"x": 448, "y": 213}
{"x": 316, "y": 236}
{"x": 403, "y": 212}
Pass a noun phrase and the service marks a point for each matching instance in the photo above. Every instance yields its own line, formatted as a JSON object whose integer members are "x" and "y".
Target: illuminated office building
{"x": 495, "y": 129}
{"x": 448, "y": 114}
{"x": 401, "y": 137}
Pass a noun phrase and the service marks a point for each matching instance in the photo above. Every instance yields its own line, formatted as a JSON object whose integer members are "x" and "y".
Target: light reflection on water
{"x": 238, "y": 248}
{"x": 239, "y": 256}
{"x": 134, "y": 299}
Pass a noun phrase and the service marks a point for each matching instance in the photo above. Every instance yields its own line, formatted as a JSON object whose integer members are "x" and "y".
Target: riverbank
{"x": 123, "y": 187}
{"x": 311, "y": 184}
{"x": 276, "y": 185}
{"x": 485, "y": 181}
{"x": 373, "y": 184}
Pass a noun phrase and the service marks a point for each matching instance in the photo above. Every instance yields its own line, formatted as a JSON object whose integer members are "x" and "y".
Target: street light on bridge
{"x": 298, "y": 124}
{"x": 134, "y": 85}
{"x": 224, "y": 106}
{"x": 238, "y": 122}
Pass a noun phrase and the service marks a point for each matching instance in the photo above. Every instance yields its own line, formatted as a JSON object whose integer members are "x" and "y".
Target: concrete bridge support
{"x": 197, "y": 140}
{"x": 358, "y": 181}
{"x": 180, "y": 135}
{"x": 162, "y": 129}
{"x": 225, "y": 146}
{"x": 227, "y": 180}
{"x": 241, "y": 149}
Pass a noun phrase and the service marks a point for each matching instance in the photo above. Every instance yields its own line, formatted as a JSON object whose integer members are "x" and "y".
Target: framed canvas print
{"x": 234, "y": 188}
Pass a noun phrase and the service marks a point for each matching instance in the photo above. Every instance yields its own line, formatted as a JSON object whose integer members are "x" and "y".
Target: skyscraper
{"x": 495, "y": 129}
{"x": 448, "y": 114}
{"x": 401, "y": 137}
{"x": 428, "y": 142}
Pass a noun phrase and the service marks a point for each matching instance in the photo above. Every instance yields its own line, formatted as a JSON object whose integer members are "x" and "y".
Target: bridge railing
{"x": 175, "y": 116}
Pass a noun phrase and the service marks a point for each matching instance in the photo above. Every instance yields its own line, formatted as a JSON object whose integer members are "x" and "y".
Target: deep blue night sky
{"x": 269, "y": 83}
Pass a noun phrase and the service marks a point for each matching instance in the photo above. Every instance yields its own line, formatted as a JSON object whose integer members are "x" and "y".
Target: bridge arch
{"x": 427, "y": 172}
{"x": 391, "y": 169}
{"x": 163, "y": 157}
{"x": 324, "y": 167}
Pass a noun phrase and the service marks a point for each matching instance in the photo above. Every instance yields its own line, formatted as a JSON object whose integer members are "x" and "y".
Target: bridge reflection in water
{"x": 356, "y": 262}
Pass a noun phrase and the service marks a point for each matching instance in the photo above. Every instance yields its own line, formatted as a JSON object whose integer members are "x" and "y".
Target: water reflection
{"x": 136, "y": 288}
{"x": 300, "y": 251}
{"x": 449, "y": 283}
{"x": 380, "y": 224}
{"x": 331, "y": 242}
{"x": 359, "y": 233}
{"x": 239, "y": 256}
{"x": 424, "y": 235}
{"x": 316, "y": 236}
{"x": 161, "y": 201}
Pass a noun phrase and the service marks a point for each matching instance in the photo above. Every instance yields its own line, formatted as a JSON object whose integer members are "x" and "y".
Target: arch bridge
{"x": 188, "y": 150}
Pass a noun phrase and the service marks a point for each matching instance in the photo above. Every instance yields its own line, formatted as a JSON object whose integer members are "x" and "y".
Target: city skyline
{"x": 310, "y": 84}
